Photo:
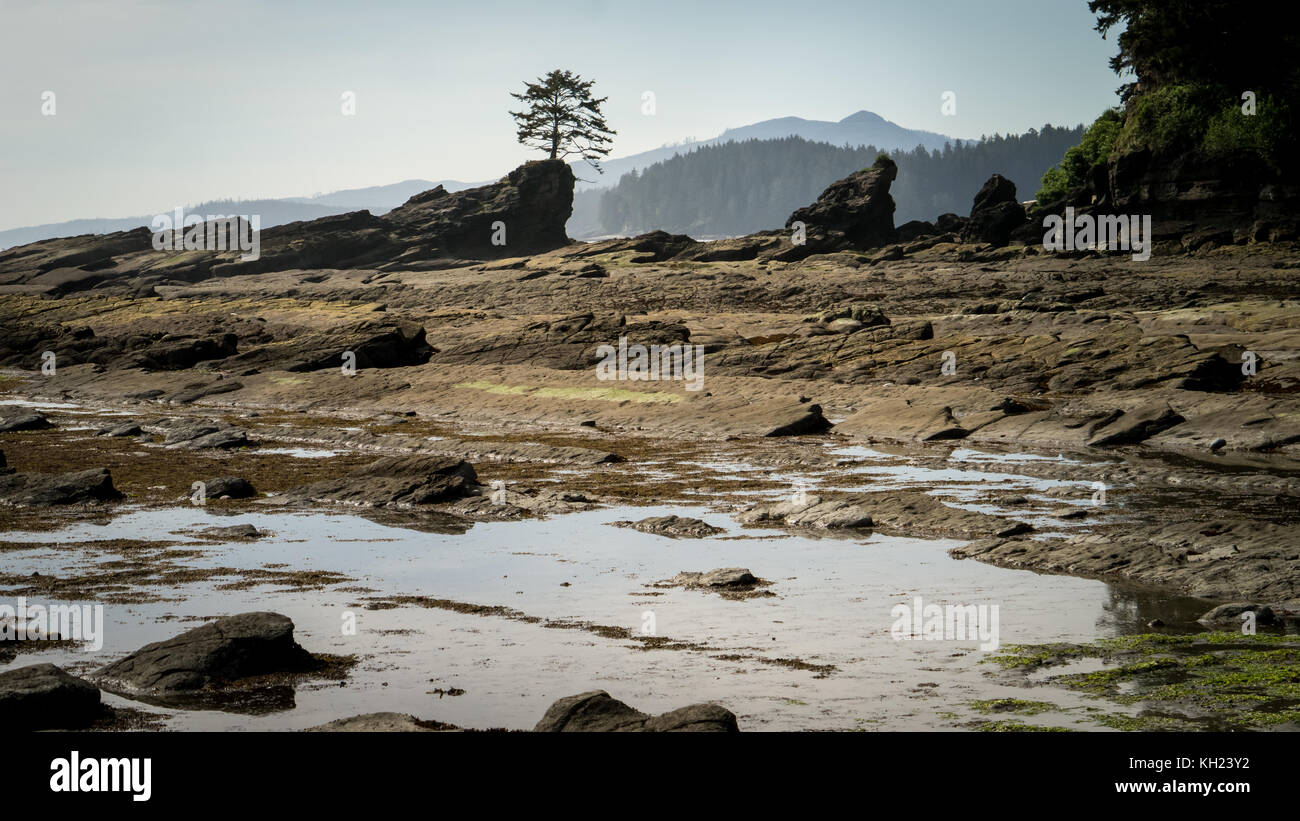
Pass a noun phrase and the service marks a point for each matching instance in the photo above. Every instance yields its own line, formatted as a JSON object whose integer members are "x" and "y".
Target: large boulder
{"x": 533, "y": 202}
{"x": 40, "y": 489}
{"x": 18, "y": 418}
{"x": 45, "y": 697}
{"x": 856, "y": 212}
{"x": 995, "y": 213}
{"x": 230, "y": 648}
{"x": 395, "y": 481}
{"x": 598, "y": 712}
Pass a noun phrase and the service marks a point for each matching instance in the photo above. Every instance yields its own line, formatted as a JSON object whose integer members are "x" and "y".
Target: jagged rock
{"x": 217, "y": 653}
{"x": 39, "y": 489}
{"x": 45, "y": 697}
{"x": 674, "y": 527}
{"x": 598, "y": 712}
{"x": 18, "y": 418}
{"x": 855, "y": 212}
{"x": 534, "y": 201}
{"x": 1228, "y": 616}
{"x": 230, "y": 487}
{"x": 4, "y": 465}
{"x": 995, "y": 214}
{"x": 395, "y": 481}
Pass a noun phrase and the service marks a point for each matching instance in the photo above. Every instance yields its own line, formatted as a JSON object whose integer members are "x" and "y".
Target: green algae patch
{"x": 1013, "y": 705}
{"x": 1214, "y": 681}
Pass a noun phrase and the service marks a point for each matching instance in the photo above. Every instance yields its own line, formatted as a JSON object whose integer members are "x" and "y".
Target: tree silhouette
{"x": 563, "y": 118}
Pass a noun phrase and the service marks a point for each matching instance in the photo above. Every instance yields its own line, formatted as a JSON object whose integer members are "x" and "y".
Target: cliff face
{"x": 1186, "y": 193}
{"x": 524, "y": 213}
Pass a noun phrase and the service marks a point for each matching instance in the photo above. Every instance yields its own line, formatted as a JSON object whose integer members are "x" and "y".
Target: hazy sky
{"x": 164, "y": 102}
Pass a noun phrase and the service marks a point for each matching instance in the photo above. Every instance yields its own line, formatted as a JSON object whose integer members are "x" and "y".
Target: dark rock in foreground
{"x": 45, "y": 697}
{"x": 230, "y": 648}
{"x": 38, "y": 489}
{"x": 395, "y": 481}
{"x": 597, "y": 712}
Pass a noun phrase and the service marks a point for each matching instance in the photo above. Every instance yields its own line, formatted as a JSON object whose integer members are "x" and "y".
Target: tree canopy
{"x": 563, "y": 118}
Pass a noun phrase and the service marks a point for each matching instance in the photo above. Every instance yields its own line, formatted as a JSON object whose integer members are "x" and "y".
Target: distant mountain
{"x": 861, "y": 128}
{"x": 378, "y": 199}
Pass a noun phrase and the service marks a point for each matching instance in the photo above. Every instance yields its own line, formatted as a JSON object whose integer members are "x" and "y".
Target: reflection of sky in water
{"x": 833, "y": 607}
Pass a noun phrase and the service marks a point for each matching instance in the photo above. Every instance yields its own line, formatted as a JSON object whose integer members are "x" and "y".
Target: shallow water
{"x": 832, "y": 606}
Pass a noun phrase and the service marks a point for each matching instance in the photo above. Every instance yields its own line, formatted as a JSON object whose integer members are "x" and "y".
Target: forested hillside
{"x": 741, "y": 187}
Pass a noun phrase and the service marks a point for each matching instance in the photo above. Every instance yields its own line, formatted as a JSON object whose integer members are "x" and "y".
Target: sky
{"x": 158, "y": 103}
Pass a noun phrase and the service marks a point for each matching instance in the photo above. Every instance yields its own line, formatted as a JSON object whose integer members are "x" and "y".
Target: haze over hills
{"x": 858, "y": 129}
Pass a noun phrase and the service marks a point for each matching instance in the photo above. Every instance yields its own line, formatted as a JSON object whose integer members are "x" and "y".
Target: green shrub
{"x": 1096, "y": 146}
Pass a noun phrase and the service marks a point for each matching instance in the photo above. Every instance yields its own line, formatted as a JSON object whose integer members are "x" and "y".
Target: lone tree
{"x": 563, "y": 118}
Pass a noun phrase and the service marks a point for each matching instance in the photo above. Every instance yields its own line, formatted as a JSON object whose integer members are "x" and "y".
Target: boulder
{"x": 230, "y": 487}
{"x": 395, "y": 481}
{"x": 674, "y": 527}
{"x": 124, "y": 429}
{"x": 39, "y": 489}
{"x": 219, "y": 652}
{"x": 598, "y": 712}
{"x": 45, "y": 697}
{"x": 995, "y": 213}
{"x": 232, "y": 532}
{"x": 534, "y": 202}
{"x": 856, "y": 212}
{"x": 17, "y": 418}
{"x": 1228, "y": 616}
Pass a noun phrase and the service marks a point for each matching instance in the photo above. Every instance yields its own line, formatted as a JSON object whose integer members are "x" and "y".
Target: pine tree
{"x": 562, "y": 118}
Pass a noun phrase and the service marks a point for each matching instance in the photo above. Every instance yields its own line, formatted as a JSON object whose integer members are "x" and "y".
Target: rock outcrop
{"x": 995, "y": 214}
{"x": 395, "y": 481}
{"x": 215, "y": 654}
{"x": 525, "y": 213}
{"x": 598, "y": 712}
{"x": 40, "y": 489}
{"x": 674, "y": 527}
{"x": 856, "y": 212}
{"x": 45, "y": 697}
